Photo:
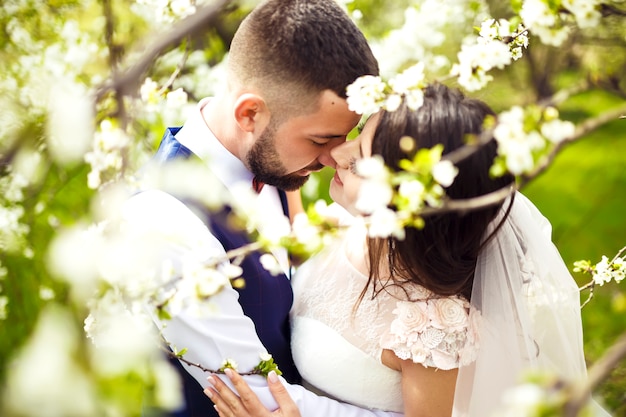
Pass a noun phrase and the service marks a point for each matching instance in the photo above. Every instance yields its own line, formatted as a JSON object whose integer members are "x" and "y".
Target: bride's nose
{"x": 342, "y": 153}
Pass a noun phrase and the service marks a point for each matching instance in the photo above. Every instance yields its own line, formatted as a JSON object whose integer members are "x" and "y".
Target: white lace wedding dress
{"x": 337, "y": 347}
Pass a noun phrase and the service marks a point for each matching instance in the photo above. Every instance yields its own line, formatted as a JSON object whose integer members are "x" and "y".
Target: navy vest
{"x": 266, "y": 299}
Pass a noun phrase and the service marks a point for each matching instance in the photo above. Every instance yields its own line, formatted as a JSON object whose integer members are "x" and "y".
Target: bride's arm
{"x": 426, "y": 391}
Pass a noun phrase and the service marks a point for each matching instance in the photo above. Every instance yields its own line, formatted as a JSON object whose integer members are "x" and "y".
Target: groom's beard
{"x": 264, "y": 162}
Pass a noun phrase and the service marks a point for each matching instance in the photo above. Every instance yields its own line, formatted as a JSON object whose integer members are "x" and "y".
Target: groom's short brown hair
{"x": 293, "y": 49}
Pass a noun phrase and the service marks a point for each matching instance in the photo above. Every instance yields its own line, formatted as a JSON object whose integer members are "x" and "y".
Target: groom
{"x": 282, "y": 111}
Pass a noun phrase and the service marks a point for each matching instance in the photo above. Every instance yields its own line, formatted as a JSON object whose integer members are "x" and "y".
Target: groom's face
{"x": 285, "y": 155}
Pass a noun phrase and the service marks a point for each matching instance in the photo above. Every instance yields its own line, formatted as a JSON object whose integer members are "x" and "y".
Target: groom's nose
{"x": 326, "y": 157}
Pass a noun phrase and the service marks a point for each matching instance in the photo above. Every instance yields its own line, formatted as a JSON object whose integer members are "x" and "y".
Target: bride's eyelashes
{"x": 352, "y": 165}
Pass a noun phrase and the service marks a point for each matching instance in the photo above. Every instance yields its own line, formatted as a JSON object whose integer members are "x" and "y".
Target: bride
{"x": 445, "y": 320}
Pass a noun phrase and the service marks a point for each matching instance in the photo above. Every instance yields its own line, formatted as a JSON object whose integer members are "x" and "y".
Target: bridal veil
{"x": 530, "y": 308}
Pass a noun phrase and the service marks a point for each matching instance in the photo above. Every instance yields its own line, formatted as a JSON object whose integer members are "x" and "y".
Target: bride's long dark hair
{"x": 442, "y": 256}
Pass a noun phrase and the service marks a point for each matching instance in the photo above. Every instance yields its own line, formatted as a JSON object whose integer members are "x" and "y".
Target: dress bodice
{"x": 337, "y": 344}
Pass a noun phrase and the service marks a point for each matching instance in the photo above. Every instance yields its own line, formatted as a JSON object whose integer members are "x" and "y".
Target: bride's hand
{"x": 247, "y": 404}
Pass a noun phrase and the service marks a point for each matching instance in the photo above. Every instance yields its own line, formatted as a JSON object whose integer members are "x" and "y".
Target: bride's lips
{"x": 337, "y": 179}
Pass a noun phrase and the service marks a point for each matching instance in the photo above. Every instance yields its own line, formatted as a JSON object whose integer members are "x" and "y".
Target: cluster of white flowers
{"x": 549, "y": 20}
{"x": 498, "y": 44}
{"x": 109, "y": 142}
{"x": 525, "y": 136}
{"x": 605, "y": 271}
{"x": 368, "y": 94}
{"x": 526, "y": 399}
{"x": 515, "y": 36}
{"x": 420, "y": 184}
{"x": 429, "y": 27}
{"x": 12, "y": 230}
{"x": 40, "y": 67}
{"x": 164, "y": 11}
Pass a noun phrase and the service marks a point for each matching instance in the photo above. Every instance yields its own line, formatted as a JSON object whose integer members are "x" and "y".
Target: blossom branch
{"x": 176, "y": 72}
{"x": 598, "y": 272}
{"x": 582, "y": 129}
{"x": 265, "y": 365}
{"x": 591, "y": 286}
{"x": 473, "y": 203}
{"x": 597, "y": 373}
{"x": 611, "y": 10}
{"x": 565, "y": 93}
{"x": 125, "y": 82}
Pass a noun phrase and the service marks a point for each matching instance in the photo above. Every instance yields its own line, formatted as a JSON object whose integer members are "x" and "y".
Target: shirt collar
{"x": 196, "y": 135}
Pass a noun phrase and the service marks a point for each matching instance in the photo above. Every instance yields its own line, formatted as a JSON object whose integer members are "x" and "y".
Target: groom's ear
{"x": 251, "y": 113}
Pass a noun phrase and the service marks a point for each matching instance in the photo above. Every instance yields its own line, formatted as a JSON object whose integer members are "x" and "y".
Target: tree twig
{"x": 176, "y": 72}
{"x": 562, "y": 95}
{"x": 124, "y": 82}
{"x": 582, "y": 129}
{"x": 597, "y": 373}
{"x": 473, "y": 203}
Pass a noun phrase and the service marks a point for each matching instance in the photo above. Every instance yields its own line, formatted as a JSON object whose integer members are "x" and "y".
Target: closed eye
{"x": 320, "y": 144}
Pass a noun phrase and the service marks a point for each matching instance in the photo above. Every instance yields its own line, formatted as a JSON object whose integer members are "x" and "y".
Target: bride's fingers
{"x": 227, "y": 403}
{"x": 285, "y": 403}
{"x": 249, "y": 399}
{"x": 219, "y": 404}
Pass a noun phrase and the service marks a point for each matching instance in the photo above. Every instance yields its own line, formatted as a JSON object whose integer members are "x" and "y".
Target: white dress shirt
{"x": 228, "y": 333}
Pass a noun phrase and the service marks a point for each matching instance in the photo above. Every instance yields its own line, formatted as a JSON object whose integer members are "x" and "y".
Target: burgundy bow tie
{"x": 257, "y": 185}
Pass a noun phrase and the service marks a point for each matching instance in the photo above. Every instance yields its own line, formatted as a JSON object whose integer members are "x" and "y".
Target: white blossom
{"x": 70, "y": 121}
{"x": 79, "y": 271}
{"x": 444, "y": 173}
{"x": 413, "y": 191}
{"x": 522, "y": 400}
{"x": 384, "y": 223}
{"x": 519, "y": 158}
{"x": 372, "y": 168}
{"x": 373, "y": 195}
{"x": 149, "y": 91}
{"x": 365, "y": 94}
{"x": 306, "y": 233}
{"x": 122, "y": 337}
{"x": 46, "y": 372}
{"x": 270, "y": 264}
{"x": 536, "y": 13}
{"x": 167, "y": 382}
{"x": 557, "y": 130}
{"x": 586, "y": 12}
{"x": 229, "y": 363}
{"x": 4, "y": 302}
{"x": 46, "y": 293}
{"x": 176, "y": 98}
{"x": 410, "y": 79}
{"x": 392, "y": 102}
{"x": 602, "y": 273}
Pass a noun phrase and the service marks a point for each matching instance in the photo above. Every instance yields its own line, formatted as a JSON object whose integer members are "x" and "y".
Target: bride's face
{"x": 344, "y": 187}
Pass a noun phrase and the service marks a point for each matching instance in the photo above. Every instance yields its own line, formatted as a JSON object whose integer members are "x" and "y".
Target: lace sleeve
{"x": 437, "y": 332}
